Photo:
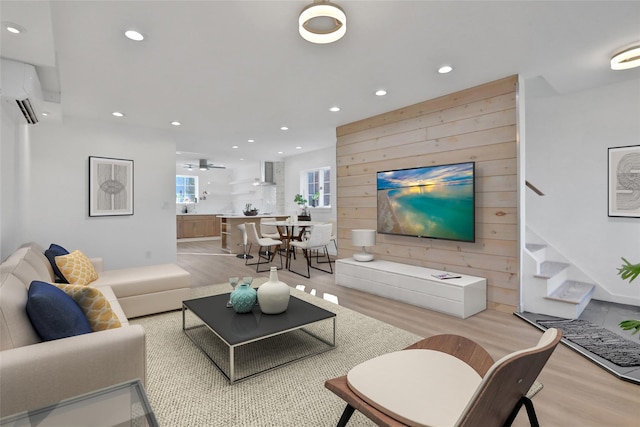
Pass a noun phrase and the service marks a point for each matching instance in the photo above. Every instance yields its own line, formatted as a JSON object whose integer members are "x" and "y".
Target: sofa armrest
{"x": 98, "y": 264}
{"x": 41, "y": 374}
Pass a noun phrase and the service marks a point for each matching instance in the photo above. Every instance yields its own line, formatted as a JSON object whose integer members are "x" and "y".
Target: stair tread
{"x": 549, "y": 269}
{"x": 533, "y": 247}
{"x": 572, "y": 291}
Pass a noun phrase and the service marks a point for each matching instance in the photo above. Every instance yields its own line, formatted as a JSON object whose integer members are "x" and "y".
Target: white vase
{"x": 273, "y": 295}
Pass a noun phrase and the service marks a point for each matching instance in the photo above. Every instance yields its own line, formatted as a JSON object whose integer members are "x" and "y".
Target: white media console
{"x": 461, "y": 297}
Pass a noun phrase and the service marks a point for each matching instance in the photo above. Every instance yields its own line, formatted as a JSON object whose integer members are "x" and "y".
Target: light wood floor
{"x": 576, "y": 392}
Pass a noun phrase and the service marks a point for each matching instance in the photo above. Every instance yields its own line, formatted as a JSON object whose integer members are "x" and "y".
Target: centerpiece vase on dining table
{"x": 273, "y": 295}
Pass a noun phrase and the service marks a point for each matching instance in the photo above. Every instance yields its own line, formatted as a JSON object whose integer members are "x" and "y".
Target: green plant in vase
{"x": 315, "y": 198}
{"x": 302, "y": 203}
{"x": 629, "y": 271}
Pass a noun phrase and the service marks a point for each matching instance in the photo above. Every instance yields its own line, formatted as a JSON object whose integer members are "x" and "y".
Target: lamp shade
{"x": 363, "y": 238}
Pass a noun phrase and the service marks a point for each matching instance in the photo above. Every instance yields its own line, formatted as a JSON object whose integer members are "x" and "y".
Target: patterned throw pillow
{"x": 94, "y": 305}
{"x": 76, "y": 268}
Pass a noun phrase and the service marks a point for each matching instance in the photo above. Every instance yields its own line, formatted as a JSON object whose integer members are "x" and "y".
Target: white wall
{"x": 566, "y": 158}
{"x": 314, "y": 160}
{"x": 9, "y": 177}
{"x": 53, "y": 163}
{"x": 216, "y": 183}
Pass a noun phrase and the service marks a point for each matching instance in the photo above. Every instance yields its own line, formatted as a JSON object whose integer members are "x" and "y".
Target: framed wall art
{"x": 110, "y": 186}
{"x": 624, "y": 181}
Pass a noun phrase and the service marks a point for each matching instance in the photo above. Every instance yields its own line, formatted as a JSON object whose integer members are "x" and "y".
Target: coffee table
{"x": 217, "y": 326}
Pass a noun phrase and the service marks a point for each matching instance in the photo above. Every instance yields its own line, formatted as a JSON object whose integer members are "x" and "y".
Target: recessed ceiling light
{"x": 381, "y": 92}
{"x": 13, "y": 28}
{"x": 445, "y": 69}
{"x": 45, "y": 113}
{"x": 334, "y": 109}
{"x": 251, "y": 140}
{"x": 298, "y": 148}
{"x": 175, "y": 123}
{"x": 241, "y": 158}
{"x": 118, "y": 114}
{"x": 284, "y": 128}
{"x": 280, "y": 152}
{"x": 134, "y": 35}
{"x": 234, "y": 146}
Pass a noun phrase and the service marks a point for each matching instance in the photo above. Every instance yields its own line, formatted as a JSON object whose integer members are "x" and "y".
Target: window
{"x": 316, "y": 181}
{"x": 186, "y": 189}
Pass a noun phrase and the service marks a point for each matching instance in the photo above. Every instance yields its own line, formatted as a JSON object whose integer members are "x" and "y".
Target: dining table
{"x": 286, "y": 230}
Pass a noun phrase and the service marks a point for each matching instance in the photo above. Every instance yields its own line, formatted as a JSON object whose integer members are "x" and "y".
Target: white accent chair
{"x": 319, "y": 238}
{"x": 271, "y": 247}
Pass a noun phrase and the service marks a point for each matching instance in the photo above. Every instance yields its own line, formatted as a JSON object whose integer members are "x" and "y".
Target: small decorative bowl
{"x": 252, "y": 212}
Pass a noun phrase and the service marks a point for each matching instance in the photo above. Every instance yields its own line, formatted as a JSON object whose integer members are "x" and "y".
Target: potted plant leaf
{"x": 315, "y": 198}
{"x": 302, "y": 203}
{"x": 629, "y": 271}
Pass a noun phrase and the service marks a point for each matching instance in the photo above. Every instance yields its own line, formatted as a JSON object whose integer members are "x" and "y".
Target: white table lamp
{"x": 363, "y": 238}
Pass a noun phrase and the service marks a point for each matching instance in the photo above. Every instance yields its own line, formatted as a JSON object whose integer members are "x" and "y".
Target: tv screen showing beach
{"x": 435, "y": 201}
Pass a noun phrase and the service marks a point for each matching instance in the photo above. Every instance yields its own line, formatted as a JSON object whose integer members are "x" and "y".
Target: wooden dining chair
{"x": 472, "y": 389}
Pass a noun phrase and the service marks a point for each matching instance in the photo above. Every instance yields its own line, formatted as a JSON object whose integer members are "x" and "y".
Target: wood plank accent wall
{"x": 476, "y": 124}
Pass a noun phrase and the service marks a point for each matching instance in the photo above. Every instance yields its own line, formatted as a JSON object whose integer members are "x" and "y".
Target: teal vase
{"x": 243, "y": 298}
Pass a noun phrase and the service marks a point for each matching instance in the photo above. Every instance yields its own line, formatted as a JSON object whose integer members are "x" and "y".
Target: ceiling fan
{"x": 203, "y": 165}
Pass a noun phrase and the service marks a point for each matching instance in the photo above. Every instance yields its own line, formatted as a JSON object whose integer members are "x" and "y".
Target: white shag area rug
{"x": 185, "y": 389}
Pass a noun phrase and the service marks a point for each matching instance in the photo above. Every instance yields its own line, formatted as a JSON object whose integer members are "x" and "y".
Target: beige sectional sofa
{"x": 34, "y": 373}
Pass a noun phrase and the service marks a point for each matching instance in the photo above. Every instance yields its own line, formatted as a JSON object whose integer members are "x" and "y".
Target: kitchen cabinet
{"x": 191, "y": 226}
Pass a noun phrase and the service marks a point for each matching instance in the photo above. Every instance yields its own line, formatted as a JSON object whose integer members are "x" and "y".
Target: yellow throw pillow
{"x": 94, "y": 305}
{"x": 76, "y": 268}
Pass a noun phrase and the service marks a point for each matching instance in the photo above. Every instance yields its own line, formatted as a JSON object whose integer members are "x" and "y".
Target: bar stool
{"x": 244, "y": 254}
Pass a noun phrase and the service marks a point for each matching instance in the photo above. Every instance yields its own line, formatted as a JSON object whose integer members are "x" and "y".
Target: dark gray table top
{"x": 237, "y": 328}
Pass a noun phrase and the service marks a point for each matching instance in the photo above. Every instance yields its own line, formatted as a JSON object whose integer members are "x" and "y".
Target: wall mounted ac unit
{"x": 20, "y": 84}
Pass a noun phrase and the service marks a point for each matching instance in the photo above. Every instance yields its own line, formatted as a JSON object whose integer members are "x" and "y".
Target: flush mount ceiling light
{"x": 628, "y": 58}
{"x": 322, "y": 22}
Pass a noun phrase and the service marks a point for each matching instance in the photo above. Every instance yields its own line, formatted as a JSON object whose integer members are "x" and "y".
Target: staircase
{"x": 551, "y": 284}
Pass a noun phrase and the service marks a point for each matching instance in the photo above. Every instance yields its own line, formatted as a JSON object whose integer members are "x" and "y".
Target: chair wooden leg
{"x": 346, "y": 415}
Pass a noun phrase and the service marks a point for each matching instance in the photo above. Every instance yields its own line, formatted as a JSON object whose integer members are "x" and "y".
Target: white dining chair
{"x": 318, "y": 239}
{"x": 271, "y": 247}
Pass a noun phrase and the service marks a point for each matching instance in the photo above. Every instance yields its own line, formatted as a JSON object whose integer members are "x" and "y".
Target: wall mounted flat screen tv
{"x": 433, "y": 201}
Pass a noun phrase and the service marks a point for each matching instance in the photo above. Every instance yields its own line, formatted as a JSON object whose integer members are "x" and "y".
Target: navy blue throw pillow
{"x": 51, "y": 254}
{"x": 53, "y": 313}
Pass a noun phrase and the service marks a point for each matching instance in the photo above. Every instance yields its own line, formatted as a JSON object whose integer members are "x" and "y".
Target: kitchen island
{"x": 231, "y": 237}
{"x": 190, "y": 225}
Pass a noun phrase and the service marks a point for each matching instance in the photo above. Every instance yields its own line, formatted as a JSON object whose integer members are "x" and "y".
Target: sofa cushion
{"x": 94, "y": 305}
{"x": 145, "y": 280}
{"x": 27, "y": 265}
{"x": 53, "y": 313}
{"x": 16, "y": 329}
{"x": 51, "y": 254}
{"x": 76, "y": 268}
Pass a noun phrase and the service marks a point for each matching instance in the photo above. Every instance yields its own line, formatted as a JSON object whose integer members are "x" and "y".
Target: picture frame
{"x": 110, "y": 186}
{"x": 624, "y": 181}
